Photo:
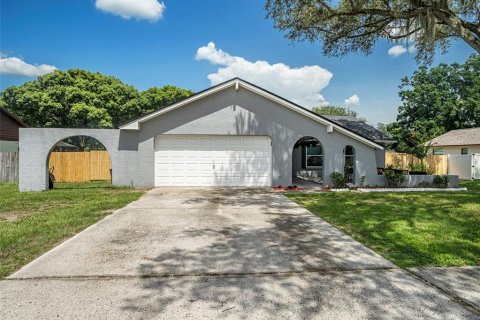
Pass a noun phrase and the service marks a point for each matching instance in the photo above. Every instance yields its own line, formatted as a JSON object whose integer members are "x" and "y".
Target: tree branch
{"x": 380, "y": 12}
{"x": 392, "y": 37}
{"x": 456, "y": 24}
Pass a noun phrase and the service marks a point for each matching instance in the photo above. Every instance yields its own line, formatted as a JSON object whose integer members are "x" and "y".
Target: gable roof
{"x": 239, "y": 83}
{"x": 360, "y": 127}
{"x": 458, "y": 137}
{"x": 13, "y": 117}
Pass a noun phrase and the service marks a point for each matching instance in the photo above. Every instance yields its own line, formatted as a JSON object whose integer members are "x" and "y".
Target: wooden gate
{"x": 80, "y": 166}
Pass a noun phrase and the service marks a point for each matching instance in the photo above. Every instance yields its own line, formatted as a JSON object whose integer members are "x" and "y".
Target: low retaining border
{"x": 411, "y": 189}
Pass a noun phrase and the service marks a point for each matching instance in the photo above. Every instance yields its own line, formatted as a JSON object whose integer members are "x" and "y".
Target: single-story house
{"x": 231, "y": 134}
{"x": 456, "y": 142}
{"x": 9, "y": 125}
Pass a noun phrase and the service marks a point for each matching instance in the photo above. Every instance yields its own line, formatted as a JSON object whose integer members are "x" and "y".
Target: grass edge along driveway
{"x": 32, "y": 223}
{"x": 410, "y": 229}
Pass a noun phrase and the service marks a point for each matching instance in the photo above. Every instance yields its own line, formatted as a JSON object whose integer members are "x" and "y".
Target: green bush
{"x": 338, "y": 180}
{"x": 394, "y": 178}
{"x": 418, "y": 167}
{"x": 441, "y": 181}
{"x": 362, "y": 181}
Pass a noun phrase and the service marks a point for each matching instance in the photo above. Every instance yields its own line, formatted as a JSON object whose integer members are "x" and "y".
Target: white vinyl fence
{"x": 476, "y": 166}
{"x": 464, "y": 166}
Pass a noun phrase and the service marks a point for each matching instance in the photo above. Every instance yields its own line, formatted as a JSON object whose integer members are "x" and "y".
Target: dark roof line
{"x": 361, "y": 128}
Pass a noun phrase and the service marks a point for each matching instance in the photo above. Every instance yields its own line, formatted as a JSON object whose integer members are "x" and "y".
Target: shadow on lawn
{"x": 411, "y": 229}
{"x": 245, "y": 261}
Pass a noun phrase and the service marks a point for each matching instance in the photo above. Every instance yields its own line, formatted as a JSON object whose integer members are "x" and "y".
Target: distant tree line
{"x": 82, "y": 99}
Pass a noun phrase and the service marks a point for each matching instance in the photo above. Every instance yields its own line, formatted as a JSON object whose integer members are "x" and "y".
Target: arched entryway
{"x": 349, "y": 164}
{"x": 308, "y": 162}
{"x": 79, "y": 159}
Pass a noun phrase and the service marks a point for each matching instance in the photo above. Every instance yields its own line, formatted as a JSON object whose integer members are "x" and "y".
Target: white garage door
{"x": 212, "y": 160}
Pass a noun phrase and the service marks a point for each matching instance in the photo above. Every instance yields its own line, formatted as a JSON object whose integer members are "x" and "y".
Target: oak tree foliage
{"x": 345, "y": 26}
{"x": 434, "y": 101}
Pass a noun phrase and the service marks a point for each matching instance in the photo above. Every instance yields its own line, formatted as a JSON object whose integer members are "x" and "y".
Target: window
{"x": 438, "y": 151}
{"x": 314, "y": 156}
{"x": 464, "y": 151}
{"x": 349, "y": 164}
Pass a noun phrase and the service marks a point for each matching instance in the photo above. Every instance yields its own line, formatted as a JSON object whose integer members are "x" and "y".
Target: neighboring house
{"x": 456, "y": 142}
{"x": 9, "y": 125}
{"x": 232, "y": 134}
{"x": 367, "y": 131}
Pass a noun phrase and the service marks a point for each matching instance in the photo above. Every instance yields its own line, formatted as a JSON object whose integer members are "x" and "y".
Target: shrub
{"x": 362, "y": 181}
{"x": 418, "y": 167}
{"x": 394, "y": 178}
{"x": 338, "y": 180}
{"x": 446, "y": 181}
{"x": 441, "y": 181}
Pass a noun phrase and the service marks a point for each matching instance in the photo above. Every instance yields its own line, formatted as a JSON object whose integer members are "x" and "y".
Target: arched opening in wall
{"x": 349, "y": 164}
{"x": 307, "y": 162}
{"x": 79, "y": 160}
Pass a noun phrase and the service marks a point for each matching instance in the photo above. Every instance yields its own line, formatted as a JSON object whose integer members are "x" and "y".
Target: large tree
{"x": 82, "y": 99}
{"x": 435, "y": 101}
{"x": 336, "y": 111}
{"x": 356, "y": 25}
{"x": 155, "y": 98}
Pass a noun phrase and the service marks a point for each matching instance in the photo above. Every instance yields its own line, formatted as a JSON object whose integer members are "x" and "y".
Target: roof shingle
{"x": 458, "y": 137}
{"x": 361, "y": 128}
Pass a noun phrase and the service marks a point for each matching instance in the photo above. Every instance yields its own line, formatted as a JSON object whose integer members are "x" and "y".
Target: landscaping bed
{"x": 32, "y": 223}
{"x": 410, "y": 229}
{"x": 410, "y": 189}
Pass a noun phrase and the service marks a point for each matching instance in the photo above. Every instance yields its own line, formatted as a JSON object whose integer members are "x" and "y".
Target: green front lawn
{"x": 410, "y": 229}
{"x": 31, "y": 223}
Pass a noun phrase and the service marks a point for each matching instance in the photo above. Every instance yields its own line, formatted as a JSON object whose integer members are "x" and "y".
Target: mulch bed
{"x": 289, "y": 188}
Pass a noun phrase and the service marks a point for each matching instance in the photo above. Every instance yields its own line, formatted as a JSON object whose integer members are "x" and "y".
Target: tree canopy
{"x": 82, "y": 99}
{"x": 435, "y": 101}
{"x": 356, "y": 25}
{"x": 336, "y": 111}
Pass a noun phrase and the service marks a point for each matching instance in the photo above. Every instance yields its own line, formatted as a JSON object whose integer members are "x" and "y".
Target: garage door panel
{"x": 213, "y": 161}
{"x": 243, "y": 167}
{"x": 248, "y": 154}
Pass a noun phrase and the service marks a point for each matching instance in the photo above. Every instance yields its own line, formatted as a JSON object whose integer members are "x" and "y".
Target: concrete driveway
{"x": 181, "y": 253}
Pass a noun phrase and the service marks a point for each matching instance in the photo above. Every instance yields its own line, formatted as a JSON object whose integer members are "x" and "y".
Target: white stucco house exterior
{"x": 231, "y": 134}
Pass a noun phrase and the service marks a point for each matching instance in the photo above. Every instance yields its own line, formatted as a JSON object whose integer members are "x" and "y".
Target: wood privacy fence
{"x": 80, "y": 166}
{"x": 436, "y": 164}
{"x": 8, "y": 166}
